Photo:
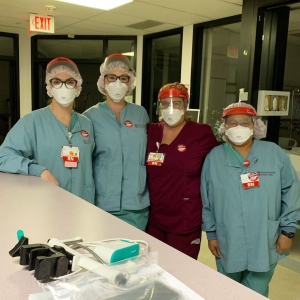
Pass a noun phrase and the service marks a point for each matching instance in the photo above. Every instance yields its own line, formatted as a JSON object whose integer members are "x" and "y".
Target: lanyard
{"x": 157, "y": 146}
{"x": 73, "y": 121}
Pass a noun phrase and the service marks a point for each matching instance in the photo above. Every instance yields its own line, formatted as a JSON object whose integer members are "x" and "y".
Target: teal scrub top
{"x": 247, "y": 222}
{"x": 34, "y": 144}
{"x": 119, "y": 157}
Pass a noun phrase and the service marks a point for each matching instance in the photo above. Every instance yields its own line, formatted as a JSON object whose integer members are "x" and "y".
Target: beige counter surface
{"x": 44, "y": 211}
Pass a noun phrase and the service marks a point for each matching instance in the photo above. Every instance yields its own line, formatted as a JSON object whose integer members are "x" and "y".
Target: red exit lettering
{"x": 41, "y": 23}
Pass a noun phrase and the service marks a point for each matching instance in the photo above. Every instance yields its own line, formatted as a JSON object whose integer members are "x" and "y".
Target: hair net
{"x": 62, "y": 65}
{"x": 259, "y": 129}
{"x": 120, "y": 62}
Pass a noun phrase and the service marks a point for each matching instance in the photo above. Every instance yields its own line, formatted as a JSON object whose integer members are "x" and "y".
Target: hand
{"x": 46, "y": 175}
{"x": 283, "y": 243}
{"x": 213, "y": 246}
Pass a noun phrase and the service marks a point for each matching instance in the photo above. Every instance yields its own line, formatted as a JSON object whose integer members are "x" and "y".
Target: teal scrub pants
{"x": 256, "y": 281}
{"x": 136, "y": 218}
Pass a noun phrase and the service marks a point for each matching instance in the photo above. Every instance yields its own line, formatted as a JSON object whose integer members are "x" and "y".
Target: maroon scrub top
{"x": 174, "y": 187}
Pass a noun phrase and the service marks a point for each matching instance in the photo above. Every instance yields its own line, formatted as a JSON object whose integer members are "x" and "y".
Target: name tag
{"x": 155, "y": 159}
{"x": 250, "y": 180}
{"x": 70, "y": 156}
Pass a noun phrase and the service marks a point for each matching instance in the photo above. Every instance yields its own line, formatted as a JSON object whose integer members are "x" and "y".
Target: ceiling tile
{"x": 214, "y": 10}
{"x": 117, "y": 19}
{"x": 4, "y": 21}
{"x": 79, "y": 31}
{"x": 159, "y": 28}
{"x": 107, "y": 28}
{"x": 160, "y": 14}
{"x": 239, "y": 2}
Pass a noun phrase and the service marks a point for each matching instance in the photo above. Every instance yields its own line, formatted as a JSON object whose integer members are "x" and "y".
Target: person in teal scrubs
{"x": 54, "y": 143}
{"x": 251, "y": 200}
{"x": 121, "y": 140}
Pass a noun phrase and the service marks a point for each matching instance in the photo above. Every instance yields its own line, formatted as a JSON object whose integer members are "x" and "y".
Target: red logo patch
{"x": 84, "y": 133}
{"x": 128, "y": 124}
{"x": 246, "y": 163}
{"x": 181, "y": 148}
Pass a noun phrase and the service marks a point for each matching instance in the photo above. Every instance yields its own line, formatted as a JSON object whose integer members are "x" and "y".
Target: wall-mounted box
{"x": 273, "y": 103}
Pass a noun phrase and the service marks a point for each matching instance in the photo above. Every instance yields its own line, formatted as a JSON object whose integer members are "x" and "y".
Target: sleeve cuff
{"x": 211, "y": 235}
{"x": 35, "y": 170}
{"x": 288, "y": 229}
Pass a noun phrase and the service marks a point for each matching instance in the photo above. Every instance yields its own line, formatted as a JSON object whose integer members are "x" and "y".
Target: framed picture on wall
{"x": 273, "y": 103}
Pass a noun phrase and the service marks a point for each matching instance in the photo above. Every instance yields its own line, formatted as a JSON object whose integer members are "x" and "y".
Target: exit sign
{"x": 232, "y": 51}
{"x": 41, "y": 23}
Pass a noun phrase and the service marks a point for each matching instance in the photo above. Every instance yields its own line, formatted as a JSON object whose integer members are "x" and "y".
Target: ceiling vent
{"x": 144, "y": 25}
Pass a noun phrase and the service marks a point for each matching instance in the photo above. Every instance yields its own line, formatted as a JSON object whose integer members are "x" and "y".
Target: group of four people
{"x": 112, "y": 157}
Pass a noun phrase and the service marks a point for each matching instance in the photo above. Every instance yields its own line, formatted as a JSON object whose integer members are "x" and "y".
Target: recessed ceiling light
{"x": 105, "y": 5}
{"x": 50, "y": 7}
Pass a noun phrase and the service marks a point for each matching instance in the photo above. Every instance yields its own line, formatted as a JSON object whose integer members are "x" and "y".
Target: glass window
{"x": 121, "y": 46}
{"x": 218, "y": 86}
{"x": 6, "y": 46}
{"x": 289, "y": 133}
{"x": 125, "y": 47}
{"x": 5, "y": 98}
{"x": 166, "y": 65}
{"x": 88, "y": 55}
{"x": 91, "y": 49}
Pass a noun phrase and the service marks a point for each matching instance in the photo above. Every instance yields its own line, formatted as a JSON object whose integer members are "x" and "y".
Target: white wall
{"x": 25, "y": 74}
{"x": 187, "y": 47}
{"x": 139, "y": 64}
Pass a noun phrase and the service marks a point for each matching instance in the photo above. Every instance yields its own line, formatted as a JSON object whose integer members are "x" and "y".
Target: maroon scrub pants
{"x": 188, "y": 243}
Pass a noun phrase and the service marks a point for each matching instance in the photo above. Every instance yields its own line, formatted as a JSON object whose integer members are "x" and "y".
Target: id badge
{"x": 70, "y": 156}
{"x": 155, "y": 159}
{"x": 250, "y": 180}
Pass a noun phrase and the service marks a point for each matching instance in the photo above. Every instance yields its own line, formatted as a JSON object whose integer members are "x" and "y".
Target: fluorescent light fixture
{"x": 105, "y": 5}
{"x": 128, "y": 53}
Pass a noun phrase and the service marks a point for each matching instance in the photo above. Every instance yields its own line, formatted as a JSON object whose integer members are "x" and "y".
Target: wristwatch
{"x": 290, "y": 235}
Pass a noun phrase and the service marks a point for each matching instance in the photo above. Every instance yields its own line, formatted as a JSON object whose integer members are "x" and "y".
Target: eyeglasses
{"x": 113, "y": 78}
{"x": 57, "y": 83}
{"x": 165, "y": 104}
{"x": 241, "y": 123}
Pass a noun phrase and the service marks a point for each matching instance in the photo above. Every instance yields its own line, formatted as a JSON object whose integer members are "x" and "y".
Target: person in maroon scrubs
{"x": 175, "y": 154}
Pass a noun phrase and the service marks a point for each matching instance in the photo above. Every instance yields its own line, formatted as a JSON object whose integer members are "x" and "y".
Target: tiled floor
{"x": 285, "y": 284}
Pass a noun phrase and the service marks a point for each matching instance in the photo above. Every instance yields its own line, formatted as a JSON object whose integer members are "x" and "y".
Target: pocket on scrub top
{"x": 89, "y": 193}
{"x": 100, "y": 178}
{"x": 222, "y": 239}
{"x": 273, "y": 233}
{"x": 141, "y": 180}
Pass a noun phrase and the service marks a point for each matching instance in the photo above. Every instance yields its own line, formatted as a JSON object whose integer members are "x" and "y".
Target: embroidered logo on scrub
{"x": 84, "y": 133}
{"x": 128, "y": 124}
{"x": 181, "y": 148}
